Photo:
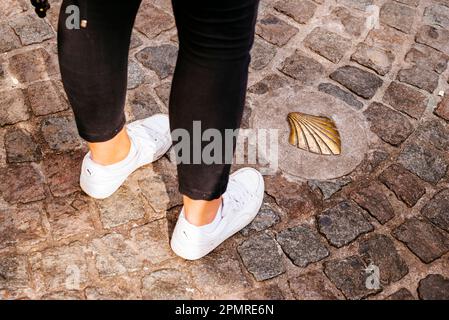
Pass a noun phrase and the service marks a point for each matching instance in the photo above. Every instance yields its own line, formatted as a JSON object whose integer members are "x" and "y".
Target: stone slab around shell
{"x": 271, "y": 110}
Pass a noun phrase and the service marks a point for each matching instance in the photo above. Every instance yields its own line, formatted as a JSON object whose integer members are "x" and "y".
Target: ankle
{"x": 111, "y": 151}
{"x": 201, "y": 212}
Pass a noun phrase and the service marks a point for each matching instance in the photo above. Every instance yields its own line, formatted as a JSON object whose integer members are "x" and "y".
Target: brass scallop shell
{"x": 314, "y": 133}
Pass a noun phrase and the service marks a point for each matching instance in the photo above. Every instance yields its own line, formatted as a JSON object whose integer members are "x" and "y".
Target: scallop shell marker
{"x": 315, "y": 134}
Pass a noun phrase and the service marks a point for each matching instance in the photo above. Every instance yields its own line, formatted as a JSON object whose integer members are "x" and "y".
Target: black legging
{"x": 209, "y": 82}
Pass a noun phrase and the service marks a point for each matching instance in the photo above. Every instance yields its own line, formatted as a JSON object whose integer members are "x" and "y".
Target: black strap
{"x": 41, "y": 7}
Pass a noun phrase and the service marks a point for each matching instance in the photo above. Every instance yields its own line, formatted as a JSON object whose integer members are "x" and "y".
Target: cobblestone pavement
{"x": 383, "y": 60}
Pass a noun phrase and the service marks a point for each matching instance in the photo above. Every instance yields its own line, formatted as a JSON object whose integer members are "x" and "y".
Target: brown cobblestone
{"x": 46, "y": 97}
{"x": 21, "y": 184}
{"x": 299, "y": 10}
{"x": 405, "y": 99}
{"x": 327, "y": 44}
{"x": 407, "y": 187}
{"x": 32, "y": 65}
{"x": 397, "y": 16}
{"x": 14, "y": 107}
{"x": 275, "y": 30}
{"x": 423, "y": 239}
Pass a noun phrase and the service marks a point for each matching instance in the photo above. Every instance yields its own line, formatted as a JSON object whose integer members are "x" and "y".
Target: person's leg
{"x": 93, "y": 64}
{"x": 94, "y": 68}
{"x": 209, "y": 85}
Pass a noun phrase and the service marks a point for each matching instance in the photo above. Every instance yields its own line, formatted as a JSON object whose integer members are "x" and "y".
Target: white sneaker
{"x": 150, "y": 140}
{"x": 241, "y": 203}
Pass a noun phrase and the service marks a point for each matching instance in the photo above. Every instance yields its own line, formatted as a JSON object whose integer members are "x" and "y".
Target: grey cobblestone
{"x": 261, "y": 256}
{"x": 61, "y": 133}
{"x": 437, "y": 15}
{"x": 341, "y": 94}
{"x": 142, "y": 104}
{"x": 14, "y": 278}
{"x": 115, "y": 256}
{"x": 302, "y": 245}
{"x": 425, "y": 161}
{"x": 220, "y": 271}
{"x": 329, "y": 188}
{"x": 152, "y": 241}
{"x": 61, "y": 268}
{"x": 261, "y": 55}
{"x": 161, "y": 59}
{"x": 152, "y": 21}
{"x": 361, "y": 82}
{"x": 31, "y": 29}
{"x": 343, "y": 223}
{"x": 436, "y": 133}
{"x": 266, "y": 218}
{"x": 269, "y": 83}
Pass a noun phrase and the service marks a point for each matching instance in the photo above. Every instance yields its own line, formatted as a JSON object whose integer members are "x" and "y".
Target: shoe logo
{"x": 89, "y": 172}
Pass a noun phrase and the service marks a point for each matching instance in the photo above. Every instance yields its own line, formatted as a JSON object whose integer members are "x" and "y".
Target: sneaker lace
{"x": 143, "y": 132}
{"x": 238, "y": 195}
